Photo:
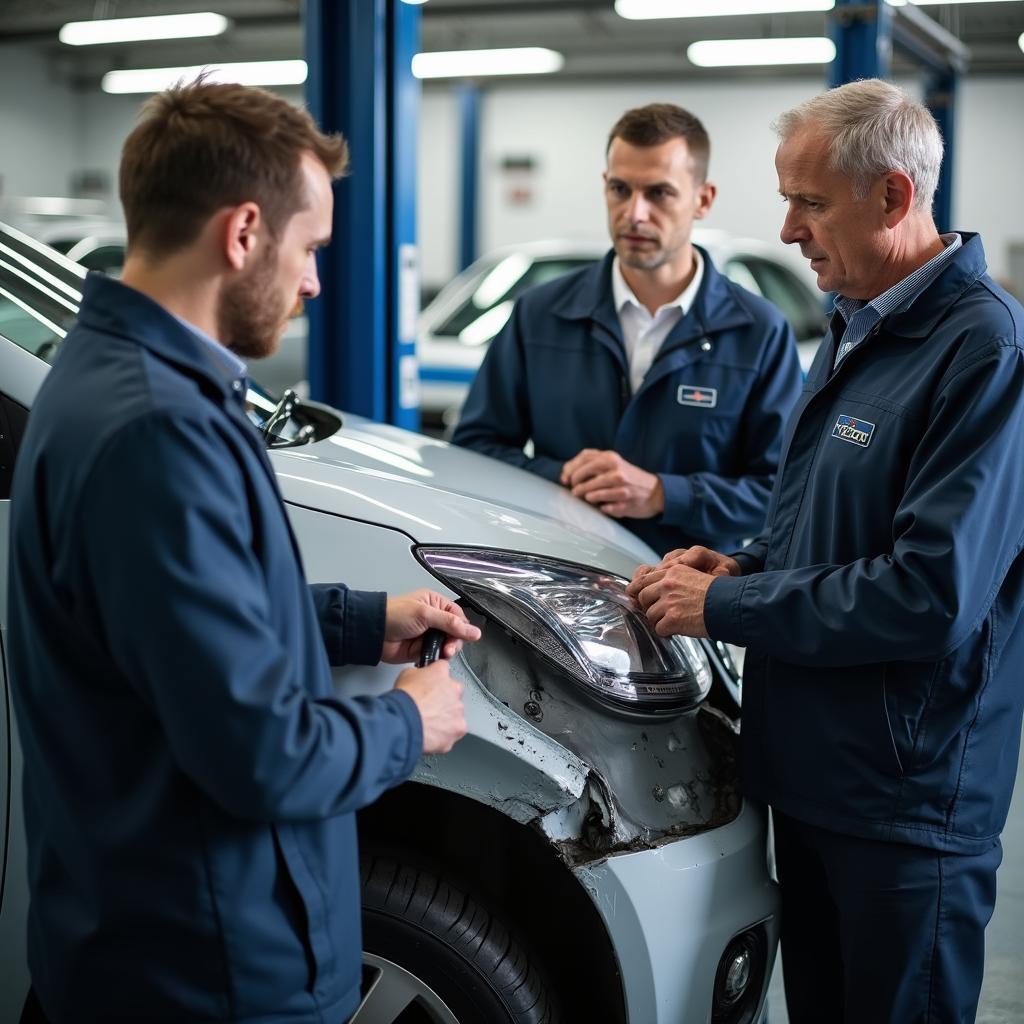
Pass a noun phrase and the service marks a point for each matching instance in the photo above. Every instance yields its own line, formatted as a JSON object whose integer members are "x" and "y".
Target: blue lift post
{"x": 862, "y": 33}
{"x": 865, "y": 33}
{"x": 469, "y": 114}
{"x": 362, "y": 328}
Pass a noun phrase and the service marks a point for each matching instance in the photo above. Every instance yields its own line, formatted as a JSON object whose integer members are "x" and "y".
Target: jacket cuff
{"x": 545, "y": 466}
{"x": 355, "y": 636}
{"x": 723, "y": 609}
{"x": 748, "y": 563}
{"x": 678, "y": 498}
{"x": 406, "y": 707}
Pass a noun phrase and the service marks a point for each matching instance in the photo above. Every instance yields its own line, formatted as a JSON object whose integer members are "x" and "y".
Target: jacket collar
{"x": 717, "y": 306}
{"x": 115, "y": 308}
{"x": 963, "y": 270}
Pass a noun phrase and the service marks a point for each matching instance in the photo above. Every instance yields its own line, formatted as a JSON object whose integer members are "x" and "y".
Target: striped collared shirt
{"x": 860, "y": 316}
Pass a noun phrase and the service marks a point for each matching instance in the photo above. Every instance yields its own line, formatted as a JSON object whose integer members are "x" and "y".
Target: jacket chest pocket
{"x": 862, "y": 456}
{"x": 705, "y": 405}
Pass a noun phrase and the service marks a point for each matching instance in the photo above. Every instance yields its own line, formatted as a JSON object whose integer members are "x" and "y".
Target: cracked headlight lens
{"x": 582, "y": 621}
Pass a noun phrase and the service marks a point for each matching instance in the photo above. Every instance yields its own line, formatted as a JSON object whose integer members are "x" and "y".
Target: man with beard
{"x": 649, "y": 384}
{"x": 191, "y": 777}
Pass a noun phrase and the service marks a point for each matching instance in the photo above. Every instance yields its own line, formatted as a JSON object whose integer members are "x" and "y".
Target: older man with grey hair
{"x": 883, "y": 607}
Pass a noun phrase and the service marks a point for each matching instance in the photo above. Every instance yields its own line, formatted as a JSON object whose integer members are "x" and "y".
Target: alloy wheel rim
{"x": 393, "y": 990}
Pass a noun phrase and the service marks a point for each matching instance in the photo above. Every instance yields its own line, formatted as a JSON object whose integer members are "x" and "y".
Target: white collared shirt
{"x": 642, "y": 333}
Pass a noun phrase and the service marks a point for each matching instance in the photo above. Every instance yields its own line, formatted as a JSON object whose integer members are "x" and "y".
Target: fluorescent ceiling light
{"x": 259, "y": 72}
{"x": 725, "y": 53}
{"x": 640, "y": 10}
{"x": 1020, "y": 42}
{"x": 932, "y": 3}
{"x": 526, "y": 60}
{"x": 130, "y": 30}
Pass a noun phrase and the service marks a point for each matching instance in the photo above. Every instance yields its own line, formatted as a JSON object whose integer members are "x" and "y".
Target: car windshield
{"x": 38, "y": 302}
{"x": 483, "y": 314}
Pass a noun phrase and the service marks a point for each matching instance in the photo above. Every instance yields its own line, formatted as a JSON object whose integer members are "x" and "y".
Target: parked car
{"x": 586, "y": 839}
{"x": 458, "y": 325}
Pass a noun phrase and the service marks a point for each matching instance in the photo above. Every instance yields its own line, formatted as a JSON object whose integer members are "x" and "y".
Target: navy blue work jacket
{"x": 190, "y": 776}
{"x": 882, "y": 611}
{"x": 708, "y": 417}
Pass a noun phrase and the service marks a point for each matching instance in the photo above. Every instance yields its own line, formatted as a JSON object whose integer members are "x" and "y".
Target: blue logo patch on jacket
{"x": 848, "y": 428}
{"x": 693, "y": 394}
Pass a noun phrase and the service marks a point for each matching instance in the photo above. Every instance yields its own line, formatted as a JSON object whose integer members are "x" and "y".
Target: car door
{"x": 13, "y": 876}
{"x": 36, "y": 308}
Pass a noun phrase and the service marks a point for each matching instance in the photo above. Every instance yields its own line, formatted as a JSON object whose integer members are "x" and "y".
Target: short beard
{"x": 652, "y": 262}
{"x": 252, "y": 310}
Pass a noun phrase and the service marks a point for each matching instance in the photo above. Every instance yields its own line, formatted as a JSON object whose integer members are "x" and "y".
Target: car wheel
{"x": 433, "y": 955}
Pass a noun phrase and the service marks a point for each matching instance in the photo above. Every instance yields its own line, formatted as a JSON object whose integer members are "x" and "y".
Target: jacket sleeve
{"x": 351, "y": 622}
{"x": 184, "y": 608}
{"x": 956, "y": 533}
{"x": 713, "y": 505}
{"x": 495, "y": 419}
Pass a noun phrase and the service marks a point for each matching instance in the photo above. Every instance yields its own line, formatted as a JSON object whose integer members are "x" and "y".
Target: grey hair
{"x": 873, "y": 128}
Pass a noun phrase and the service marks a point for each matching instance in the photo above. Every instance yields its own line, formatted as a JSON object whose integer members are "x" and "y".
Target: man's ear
{"x": 706, "y": 192}
{"x": 898, "y": 197}
{"x": 242, "y": 228}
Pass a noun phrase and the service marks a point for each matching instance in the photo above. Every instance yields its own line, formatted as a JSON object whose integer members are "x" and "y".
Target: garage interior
{"x": 447, "y": 169}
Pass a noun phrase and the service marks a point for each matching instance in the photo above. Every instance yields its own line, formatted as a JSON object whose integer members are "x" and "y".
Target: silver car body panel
{"x": 669, "y": 921}
{"x": 437, "y": 493}
{"x": 23, "y": 374}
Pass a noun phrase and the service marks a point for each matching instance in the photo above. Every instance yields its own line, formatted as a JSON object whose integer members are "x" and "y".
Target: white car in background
{"x": 583, "y": 854}
{"x": 457, "y": 326}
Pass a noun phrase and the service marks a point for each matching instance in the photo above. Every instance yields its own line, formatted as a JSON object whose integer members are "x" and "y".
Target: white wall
{"x": 40, "y": 126}
{"x": 564, "y": 129}
{"x": 48, "y": 131}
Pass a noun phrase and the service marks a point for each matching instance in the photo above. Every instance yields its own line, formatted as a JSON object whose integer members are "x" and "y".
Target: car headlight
{"x": 583, "y": 622}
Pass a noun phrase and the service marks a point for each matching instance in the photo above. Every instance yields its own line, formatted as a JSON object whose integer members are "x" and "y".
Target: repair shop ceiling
{"x": 596, "y": 42}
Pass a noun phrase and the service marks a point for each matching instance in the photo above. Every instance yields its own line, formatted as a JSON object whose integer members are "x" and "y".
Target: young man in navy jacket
{"x": 191, "y": 778}
{"x": 649, "y": 384}
{"x": 882, "y": 606}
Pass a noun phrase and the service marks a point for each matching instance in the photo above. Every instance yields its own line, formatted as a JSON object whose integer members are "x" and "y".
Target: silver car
{"x": 458, "y": 325}
{"x": 584, "y": 849}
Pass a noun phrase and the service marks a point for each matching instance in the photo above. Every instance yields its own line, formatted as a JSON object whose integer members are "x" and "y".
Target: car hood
{"x": 436, "y": 493}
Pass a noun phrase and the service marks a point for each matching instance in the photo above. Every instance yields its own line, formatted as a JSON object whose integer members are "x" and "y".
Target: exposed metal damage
{"x": 595, "y": 782}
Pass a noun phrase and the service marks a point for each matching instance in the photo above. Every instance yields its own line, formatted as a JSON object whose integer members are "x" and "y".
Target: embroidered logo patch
{"x": 692, "y": 394}
{"x": 848, "y": 428}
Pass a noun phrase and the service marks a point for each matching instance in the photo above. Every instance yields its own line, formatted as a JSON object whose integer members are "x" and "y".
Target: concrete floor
{"x": 1002, "y": 994}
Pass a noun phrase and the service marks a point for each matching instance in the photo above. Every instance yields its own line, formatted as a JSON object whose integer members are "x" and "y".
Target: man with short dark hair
{"x": 649, "y": 384}
{"x": 191, "y": 777}
{"x": 883, "y": 607}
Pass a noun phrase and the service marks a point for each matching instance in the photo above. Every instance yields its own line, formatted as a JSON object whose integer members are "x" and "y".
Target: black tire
{"x": 453, "y": 944}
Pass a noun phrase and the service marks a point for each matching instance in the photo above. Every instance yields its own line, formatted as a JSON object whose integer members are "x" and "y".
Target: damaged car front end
{"x": 592, "y": 810}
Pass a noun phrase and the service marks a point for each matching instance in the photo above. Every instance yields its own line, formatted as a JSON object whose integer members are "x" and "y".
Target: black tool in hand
{"x": 432, "y": 645}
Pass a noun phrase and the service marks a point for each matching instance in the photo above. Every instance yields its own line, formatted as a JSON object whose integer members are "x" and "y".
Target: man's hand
{"x": 438, "y": 699}
{"x": 411, "y": 615}
{"x": 615, "y": 486}
{"x": 673, "y": 598}
{"x": 702, "y": 559}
